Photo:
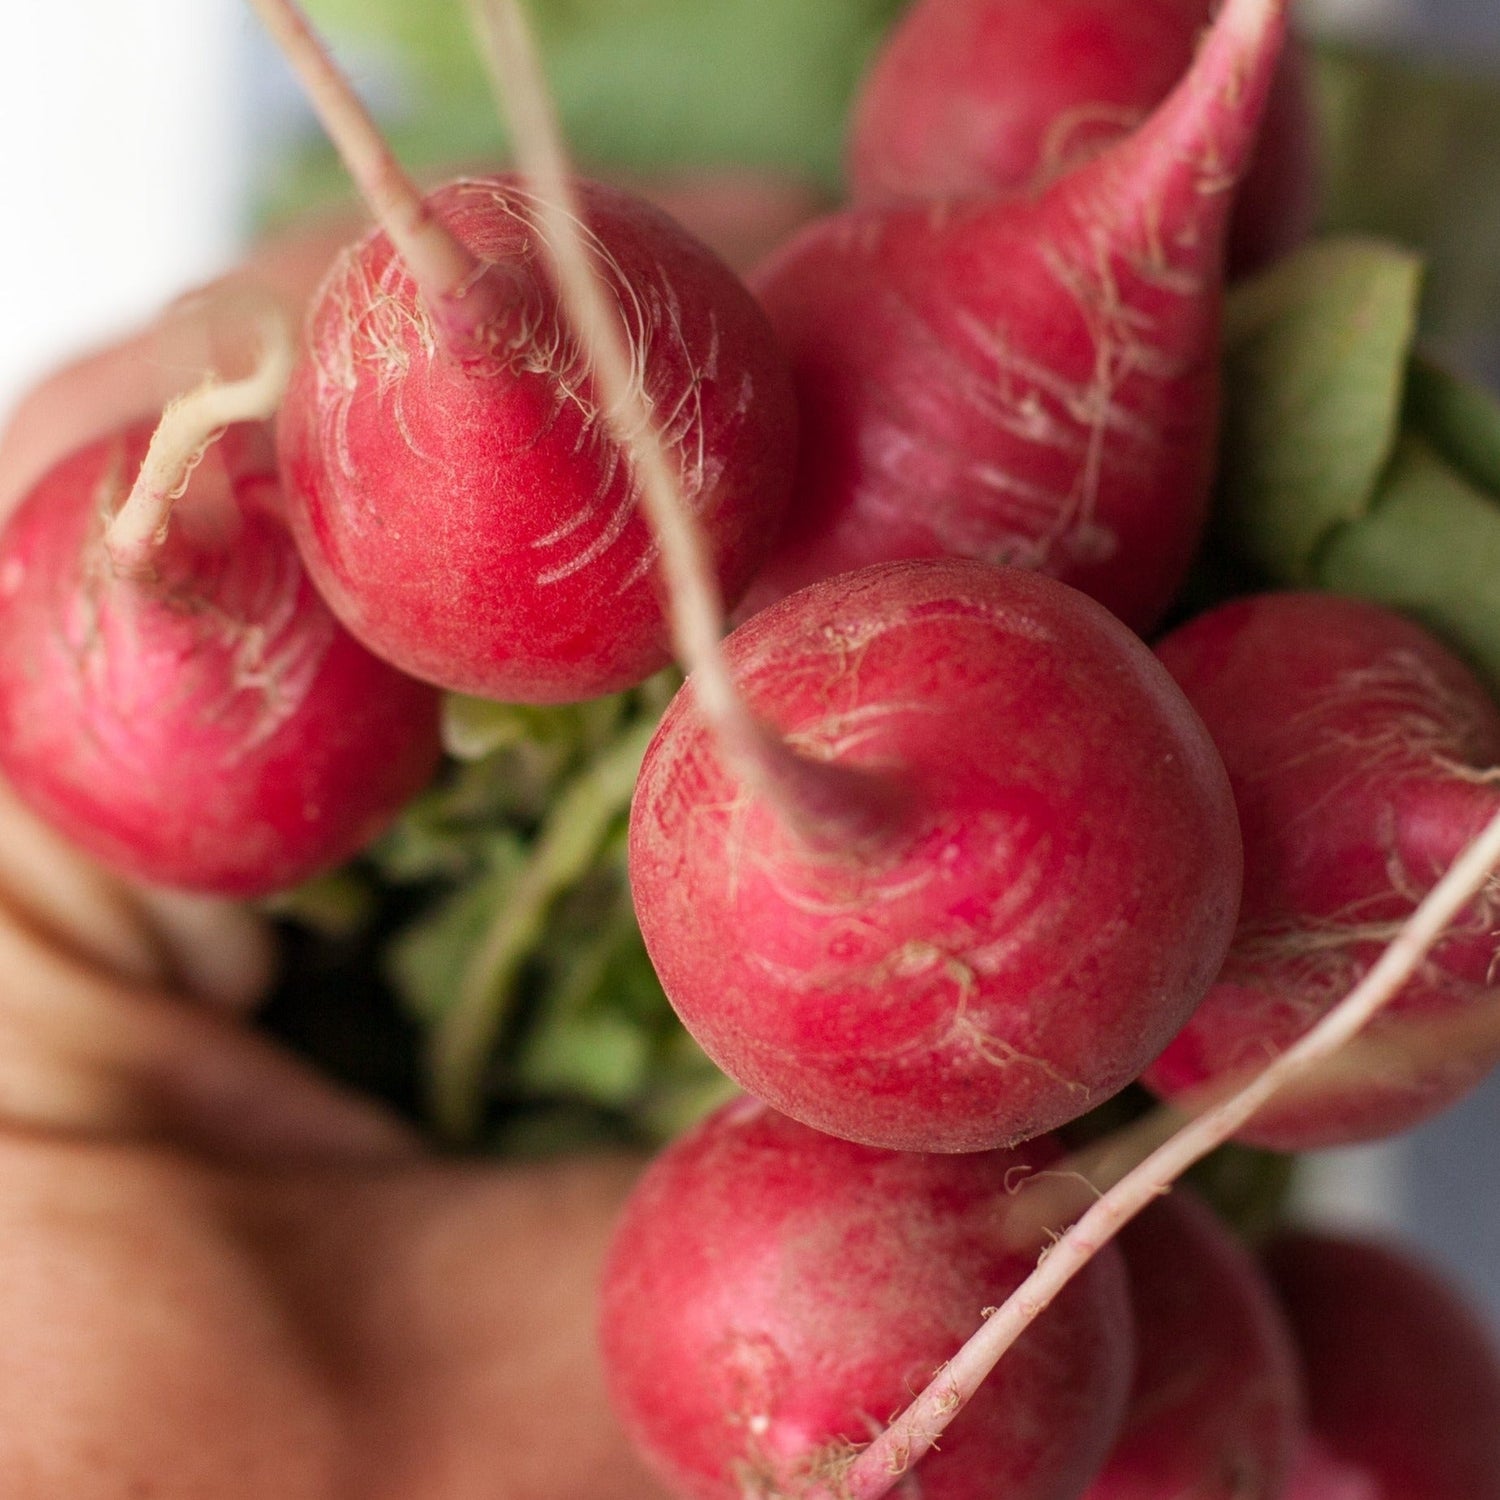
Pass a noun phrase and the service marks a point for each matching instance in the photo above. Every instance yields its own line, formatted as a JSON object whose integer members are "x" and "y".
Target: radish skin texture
{"x": 772, "y": 1295}
{"x": 1215, "y": 1408}
{"x": 1364, "y": 758}
{"x": 1056, "y": 901}
{"x": 1403, "y": 1380}
{"x": 975, "y": 98}
{"x": 210, "y": 727}
{"x": 474, "y": 522}
{"x": 1028, "y": 381}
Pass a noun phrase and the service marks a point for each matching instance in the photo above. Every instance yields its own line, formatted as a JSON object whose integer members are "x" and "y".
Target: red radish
{"x": 192, "y": 713}
{"x": 970, "y": 98}
{"x": 1029, "y": 382}
{"x": 1048, "y": 899}
{"x": 1363, "y": 756}
{"x": 455, "y": 480}
{"x": 1403, "y": 1381}
{"x": 773, "y": 1295}
{"x": 1215, "y": 1407}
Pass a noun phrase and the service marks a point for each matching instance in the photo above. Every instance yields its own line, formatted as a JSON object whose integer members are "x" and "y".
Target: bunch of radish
{"x": 933, "y": 855}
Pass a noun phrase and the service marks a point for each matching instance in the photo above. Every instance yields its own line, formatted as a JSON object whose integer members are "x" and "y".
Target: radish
{"x": 971, "y": 98}
{"x": 773, "y": 1294}
{"x": 455, "y": 481}
{"x": 1215, "y": 1407}
{"x": 173, "y": 695}
{"x": 1363, "y": 756}
{"x": 1403, "y": 1381}
{"x": 1030, "y": 382}
{"x": 1020, "y": 881}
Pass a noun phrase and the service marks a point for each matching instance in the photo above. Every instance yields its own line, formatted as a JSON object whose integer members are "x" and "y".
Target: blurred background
{"x": 146, "y": 142}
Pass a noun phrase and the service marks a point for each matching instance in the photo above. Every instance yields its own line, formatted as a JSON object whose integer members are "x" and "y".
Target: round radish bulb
{"x": 970, "y": 98}
{"x": 1053, "y": 899}
{"x": 774, "y": 1295}
{"x": 1403, "y": 1381}
{"x": 1364, "y": 758}
{"x": 1027, "y": 381}
{"x": 208, "y": 725}
{"x": 472, "y": 520}
{"x": 1215, "y": 1407}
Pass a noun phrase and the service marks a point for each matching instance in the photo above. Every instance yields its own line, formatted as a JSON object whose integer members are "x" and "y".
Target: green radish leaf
{"x": 641, "y": 83}
{"x": 1316, "y": 351}
{"x": 337, "y": 906}
{"x": 429, "y": 960}
{"x": 1460, "y": 418}
{"x": 601, "y": 1057}
{"x": 1430, "y": 547}
{"x": 685, "y": 1088}
{"x": 1412, "y": 153}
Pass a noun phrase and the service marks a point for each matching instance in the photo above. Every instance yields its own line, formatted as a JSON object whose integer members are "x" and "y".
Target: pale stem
{"x": 697, "y": 611}
{"x": 577, "y": 824}
{"x": 188, "y": 425}
{"x": 881, "y": 1465}
{"x": 461, "y": 298}
{"x": 828, "y": 804}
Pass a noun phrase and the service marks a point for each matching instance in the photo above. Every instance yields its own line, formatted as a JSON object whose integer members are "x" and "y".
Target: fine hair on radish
{"x": 1030, "y": 381}
{"x": 174, "y": 695}
{"x": 455, "y": 477}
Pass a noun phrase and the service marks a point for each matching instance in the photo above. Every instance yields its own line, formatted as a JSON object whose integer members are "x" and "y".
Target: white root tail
{"x": 697, "y": 609}
{"x": 187, "y": 427}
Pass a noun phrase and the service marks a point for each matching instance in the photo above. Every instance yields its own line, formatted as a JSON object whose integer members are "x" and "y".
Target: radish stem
{"x": 462, "y": 293}
{"x": 187, "y": 427}
{"x": 569, "y": 841}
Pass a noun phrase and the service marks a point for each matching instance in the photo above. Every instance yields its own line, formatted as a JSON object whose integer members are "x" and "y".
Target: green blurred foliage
{"x": 1413, "y": 155}
{"x": 641, "y": 84}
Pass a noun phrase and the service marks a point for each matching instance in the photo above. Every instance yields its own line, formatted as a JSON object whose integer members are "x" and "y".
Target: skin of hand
{"x": 220, "y": 1277}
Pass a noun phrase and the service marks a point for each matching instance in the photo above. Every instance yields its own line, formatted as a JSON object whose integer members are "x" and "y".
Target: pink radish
{"x": 455, "y": 480}
{"x": 175, "y": 697}
{"x": 1363, "y": 756}
{"x": 1215, "y": 1407}
{"x": 1044, "y": 890}
{"x": 1029, "y": 382}
{"x": 970, "y": 98}
{"x": 1403, "y": 1381}
{"x": 773, "y": 1295}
